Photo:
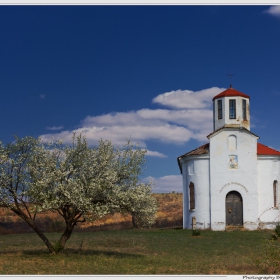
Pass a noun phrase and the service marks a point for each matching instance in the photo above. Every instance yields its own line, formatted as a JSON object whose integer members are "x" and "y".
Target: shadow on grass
{"x": 73, "y": 252}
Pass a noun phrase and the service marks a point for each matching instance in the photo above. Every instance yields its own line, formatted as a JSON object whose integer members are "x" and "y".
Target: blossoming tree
{"x": 77, "y": 181}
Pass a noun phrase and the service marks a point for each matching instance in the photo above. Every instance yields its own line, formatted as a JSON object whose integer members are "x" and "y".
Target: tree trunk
{"x": 31, "y": 223}
{"x": 65, "y": 236}
{"x": 134, "y": 221}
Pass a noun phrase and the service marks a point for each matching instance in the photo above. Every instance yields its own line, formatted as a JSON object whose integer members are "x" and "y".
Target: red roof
{"x": 264, "y": 150}
{"x": 231, "y": 92}
{"x": 204, "y": 149}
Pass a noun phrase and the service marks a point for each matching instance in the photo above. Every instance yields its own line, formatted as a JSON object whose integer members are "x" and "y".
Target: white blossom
{"x": 77, "y": 181}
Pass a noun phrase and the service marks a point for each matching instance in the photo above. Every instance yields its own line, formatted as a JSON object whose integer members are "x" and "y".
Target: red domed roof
{"x": 231, "y": 92}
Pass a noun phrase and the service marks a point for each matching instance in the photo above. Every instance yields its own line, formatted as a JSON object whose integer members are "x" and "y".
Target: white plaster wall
{"x": 200, "y": 178}
{"x": 185, "y": 192}
{"x": 268, "y": 171}
{"x": 218, "y": 123}
{"x": 244, "y": 179}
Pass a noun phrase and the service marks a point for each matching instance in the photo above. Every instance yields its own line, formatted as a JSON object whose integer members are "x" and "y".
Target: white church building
{"x": 233, "y": 179}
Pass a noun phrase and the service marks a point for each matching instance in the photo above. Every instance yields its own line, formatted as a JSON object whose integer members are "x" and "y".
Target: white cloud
{"x": 176, "y": 126}
{"x": 54, "y": 127}
{"x": 196, "y": 119}
{"x": 166, "y": 184}
{"x": 137, "y": 133}
{"x": 273, "y": 10}
{"x": 155, "y": 154}
{"x": 188, "y": 99}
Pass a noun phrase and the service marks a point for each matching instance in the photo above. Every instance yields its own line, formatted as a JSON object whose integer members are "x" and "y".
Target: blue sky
{"x": 147, "y": 73}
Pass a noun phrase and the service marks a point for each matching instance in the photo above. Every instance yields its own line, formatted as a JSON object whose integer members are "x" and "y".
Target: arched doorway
{"x": 234, "y": 209}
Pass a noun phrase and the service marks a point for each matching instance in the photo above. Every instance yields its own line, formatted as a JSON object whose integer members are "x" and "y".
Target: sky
{"x": 147, "y": 73}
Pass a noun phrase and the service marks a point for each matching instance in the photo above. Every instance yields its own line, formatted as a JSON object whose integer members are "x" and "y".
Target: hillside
{"x": 170, "y": 214}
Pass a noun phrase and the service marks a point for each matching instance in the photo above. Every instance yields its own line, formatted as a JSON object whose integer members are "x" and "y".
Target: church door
{"x": 234, "y": 209}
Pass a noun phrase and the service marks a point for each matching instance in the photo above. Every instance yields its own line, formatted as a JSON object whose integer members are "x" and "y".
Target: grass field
{"x": 135, "y": 252}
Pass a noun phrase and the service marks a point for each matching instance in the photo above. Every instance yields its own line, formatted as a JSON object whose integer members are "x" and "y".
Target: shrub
{"x": 195, "y": 232}
{"x": 277, "y": 230}
{"x": 276, "y": 233}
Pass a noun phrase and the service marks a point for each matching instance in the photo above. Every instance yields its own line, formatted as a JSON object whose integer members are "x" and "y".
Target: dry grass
{"x": 170, "y": 214}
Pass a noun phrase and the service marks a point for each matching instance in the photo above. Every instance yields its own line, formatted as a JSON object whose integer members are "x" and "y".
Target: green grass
{"x": 135, "y": 252}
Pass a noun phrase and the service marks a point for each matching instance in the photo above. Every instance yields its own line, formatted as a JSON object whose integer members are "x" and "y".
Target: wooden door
{"x": 234, "y": 209}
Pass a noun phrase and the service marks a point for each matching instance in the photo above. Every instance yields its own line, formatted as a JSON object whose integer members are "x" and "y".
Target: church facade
{"x": 233, "y": 179}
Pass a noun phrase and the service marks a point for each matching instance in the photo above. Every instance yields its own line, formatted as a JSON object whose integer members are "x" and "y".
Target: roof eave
{"x": 183, "y": 157}
{"x": 262, "y": 156}
{"x": 229, "y": 128}
{"x": 231, "y": 92}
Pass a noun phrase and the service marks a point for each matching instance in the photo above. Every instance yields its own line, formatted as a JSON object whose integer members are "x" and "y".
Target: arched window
{"x": 244, "y": 109}
{"x": 191, "y": 168}
{"x": 232, "y": 109}
{"x": 275, "y": 194}
{"x": 232, "y": 142}
{"x": 220, "y": 109}
{"x": 192, "y": 199}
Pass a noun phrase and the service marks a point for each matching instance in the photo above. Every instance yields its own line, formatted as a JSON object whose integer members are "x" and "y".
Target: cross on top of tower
{"x": 230, "y": 77}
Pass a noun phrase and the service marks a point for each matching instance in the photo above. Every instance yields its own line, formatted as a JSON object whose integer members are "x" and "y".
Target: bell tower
{"x": 231, "y": 108}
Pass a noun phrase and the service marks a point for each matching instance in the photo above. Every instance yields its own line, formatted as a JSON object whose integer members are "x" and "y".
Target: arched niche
{"x": 232, "y": 142}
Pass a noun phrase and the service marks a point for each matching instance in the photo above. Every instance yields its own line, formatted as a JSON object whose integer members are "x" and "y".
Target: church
{"x": 231, "y": 181}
